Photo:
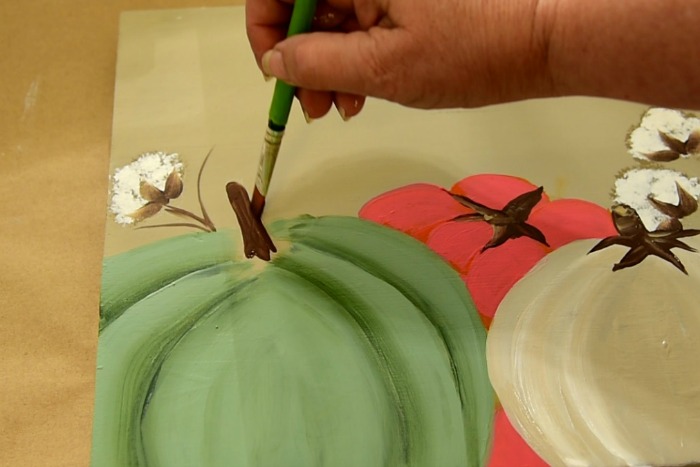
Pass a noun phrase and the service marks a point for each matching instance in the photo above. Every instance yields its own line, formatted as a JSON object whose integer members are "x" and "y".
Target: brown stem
{"x": 175, "y": 224}
{"x": 184, "y": 213}
{"x": 256, "y": 240}
{"x": 257, "y": 203}
{"x": 207, "y": 220}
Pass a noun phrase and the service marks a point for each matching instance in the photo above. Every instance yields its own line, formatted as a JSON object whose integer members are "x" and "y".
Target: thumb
{"x": 360, "y": 62}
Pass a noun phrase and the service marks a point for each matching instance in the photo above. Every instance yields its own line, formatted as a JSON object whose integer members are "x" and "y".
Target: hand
{"x": 425, "y": 54}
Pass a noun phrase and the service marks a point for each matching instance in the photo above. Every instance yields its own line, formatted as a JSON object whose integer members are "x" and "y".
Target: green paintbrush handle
{"x": 283, "y": 96}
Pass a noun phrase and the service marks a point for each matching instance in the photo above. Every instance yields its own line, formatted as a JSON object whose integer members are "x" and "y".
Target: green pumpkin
{"x": 355, "y": 346}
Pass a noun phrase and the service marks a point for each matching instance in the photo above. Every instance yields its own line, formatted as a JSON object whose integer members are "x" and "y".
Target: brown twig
{"x": 187, "y": 214}
{"x": 207, "y": 220}
{"x": 175, "y": 224}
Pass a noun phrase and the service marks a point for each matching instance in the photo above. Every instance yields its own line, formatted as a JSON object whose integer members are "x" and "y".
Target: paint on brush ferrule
{"x": 268, "y": 157}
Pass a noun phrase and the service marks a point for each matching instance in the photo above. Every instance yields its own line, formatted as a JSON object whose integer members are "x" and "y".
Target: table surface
{"x": 56, "y": 96}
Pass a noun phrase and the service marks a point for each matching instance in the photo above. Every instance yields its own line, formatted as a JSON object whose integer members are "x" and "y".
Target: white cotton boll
{"x": 645, "y": 139}
{"x": 156, "y": 168}
{"x": 636, "y": 186}
{"x": 152, "y": 167}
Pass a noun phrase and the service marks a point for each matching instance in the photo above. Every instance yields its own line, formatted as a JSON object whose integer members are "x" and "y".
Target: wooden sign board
{"x": 370, "y": 338}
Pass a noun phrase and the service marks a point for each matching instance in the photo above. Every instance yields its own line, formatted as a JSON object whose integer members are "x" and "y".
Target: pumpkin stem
{"x": 256, "y": 240}
{"x": 641, "y": 242}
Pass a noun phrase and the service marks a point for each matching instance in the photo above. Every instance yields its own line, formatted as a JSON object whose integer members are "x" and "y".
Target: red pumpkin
{"x": 489, "y": 258}
{"x": 459, "y": 234}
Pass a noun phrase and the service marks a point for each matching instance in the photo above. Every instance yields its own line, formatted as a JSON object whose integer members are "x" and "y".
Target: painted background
{"x": 186, "y": 82}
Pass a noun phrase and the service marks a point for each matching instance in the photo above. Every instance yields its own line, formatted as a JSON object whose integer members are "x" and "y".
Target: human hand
{"x": 450, "y": 53}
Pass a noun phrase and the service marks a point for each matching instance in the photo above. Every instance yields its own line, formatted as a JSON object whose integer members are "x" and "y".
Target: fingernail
{"x": 267, "y": 77}
{"x": 342, "y": 113}
{"x": 273, "y": 65}
{"x": 306, "y": 117}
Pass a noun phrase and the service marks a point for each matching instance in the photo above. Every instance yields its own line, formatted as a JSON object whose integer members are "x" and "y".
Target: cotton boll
{"x": 636, "y": 186}
{"x": 646, "y": 139}
{"x": 151, "y": 167}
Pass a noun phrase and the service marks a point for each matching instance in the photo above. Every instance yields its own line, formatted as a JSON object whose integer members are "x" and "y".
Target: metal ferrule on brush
{"x": 268, "y": 157}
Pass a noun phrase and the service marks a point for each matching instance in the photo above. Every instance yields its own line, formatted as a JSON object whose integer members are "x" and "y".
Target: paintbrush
{"x": 282, "y": 98}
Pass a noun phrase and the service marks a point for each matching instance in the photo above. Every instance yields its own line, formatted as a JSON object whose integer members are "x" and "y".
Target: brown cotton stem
{"x": 175, "y": 224}
{"x": 205, "y": 216}
{"x": 184, "y": 213}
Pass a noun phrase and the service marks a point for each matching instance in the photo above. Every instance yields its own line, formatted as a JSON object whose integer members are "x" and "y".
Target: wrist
{"x": 543, "y": 27}
{"x": 524, "y": 50}
{"x": 635, "y": 50}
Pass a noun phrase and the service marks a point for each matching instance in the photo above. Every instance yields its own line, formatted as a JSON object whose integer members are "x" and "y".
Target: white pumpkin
{"x": 601, "y": 368}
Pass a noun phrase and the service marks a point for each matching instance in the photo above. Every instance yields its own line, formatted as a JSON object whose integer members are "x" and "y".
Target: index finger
{"x": 266, "y": 24}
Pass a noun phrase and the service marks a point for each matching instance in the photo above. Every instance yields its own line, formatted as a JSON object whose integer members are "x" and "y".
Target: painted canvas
{"x": 503, "y": 287}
